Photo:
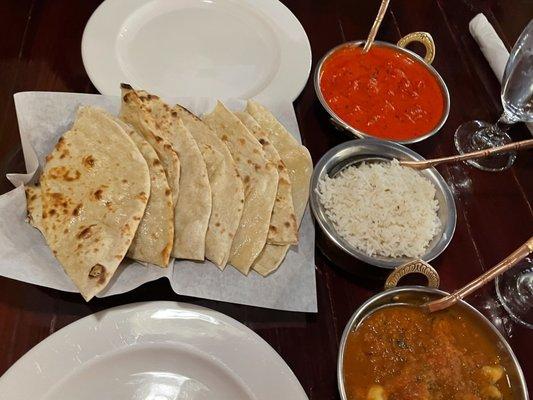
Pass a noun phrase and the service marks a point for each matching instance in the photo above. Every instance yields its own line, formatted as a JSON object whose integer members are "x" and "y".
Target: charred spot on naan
{"x": 64, "y": 173}
{"x": 30, "y": 193}
{"x": 99, "y": 273}
{"x": 60, "y": 145}
{"x": 98, "y": 194}
{"x": 293, "y": 220}
{"x": 126, "y": 229}
{"x": 142, "y": 197}
{"x": 59, "y": 204}
{"x": 86, "y": 232}
{"x": 64, "y": 153}
{"x": 76, "y": 211}
{"x": 88, "y": 161}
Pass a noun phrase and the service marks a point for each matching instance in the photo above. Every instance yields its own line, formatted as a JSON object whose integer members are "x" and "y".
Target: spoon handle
{"x": 522, "y": 145}
{"x": 508, "y": 262}
{"x": 375, "y": 26}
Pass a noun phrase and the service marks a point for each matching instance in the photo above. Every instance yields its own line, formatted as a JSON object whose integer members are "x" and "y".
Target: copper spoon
{"x": 508, "y": 262}
{"x": 377, "y": 22}
{"x": 522, "y": 145}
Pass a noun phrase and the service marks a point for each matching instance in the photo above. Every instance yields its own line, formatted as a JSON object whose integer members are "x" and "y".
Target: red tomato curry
{"x": 384, "y": 93}
{"x": 403, "y": 353}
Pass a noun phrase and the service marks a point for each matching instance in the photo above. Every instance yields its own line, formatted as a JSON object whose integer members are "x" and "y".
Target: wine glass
{"x": 515, "y": 291}
{"x": 517, "y": 100}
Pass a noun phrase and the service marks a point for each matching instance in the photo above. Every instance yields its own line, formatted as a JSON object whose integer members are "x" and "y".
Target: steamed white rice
{"x": 382, "y": 208}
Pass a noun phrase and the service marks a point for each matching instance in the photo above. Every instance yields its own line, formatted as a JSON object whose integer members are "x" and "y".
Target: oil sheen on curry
{"x": 403, "y": 353}
{"x": 384, "y": 93}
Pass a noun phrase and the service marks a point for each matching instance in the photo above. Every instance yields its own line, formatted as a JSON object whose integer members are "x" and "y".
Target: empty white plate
{"x": 197, "y": 48}
{"x": 152, "y": 351}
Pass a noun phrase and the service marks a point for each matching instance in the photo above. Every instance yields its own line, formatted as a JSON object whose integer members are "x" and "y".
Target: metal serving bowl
{"x": 357, "y": 151}
{"x": 427, "y": 41}
{"x": 395, "y": 294}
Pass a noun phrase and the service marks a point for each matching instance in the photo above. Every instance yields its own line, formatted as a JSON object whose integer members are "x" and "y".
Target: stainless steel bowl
{"x": 517, "y": 380}
{"x": 423, "y": 37}
{"x": 356, "y": 151}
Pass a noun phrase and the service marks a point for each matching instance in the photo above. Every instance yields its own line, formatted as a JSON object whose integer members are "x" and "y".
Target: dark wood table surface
{"x": 40, "y": 50}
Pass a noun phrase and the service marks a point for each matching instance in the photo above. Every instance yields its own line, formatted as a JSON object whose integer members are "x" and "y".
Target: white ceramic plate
{"x": 152, "y": 351}
{"x": 197, "y": 48}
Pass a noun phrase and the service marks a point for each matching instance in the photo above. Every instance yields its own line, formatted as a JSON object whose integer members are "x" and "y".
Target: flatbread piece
{"x": 260, "y": 180}
{"x": 153, "y": 240}
{"x": 283, "y": 227}
{"x": 300, "y": 167}
{"x": 95, "y": 187}
{"x": 227, "y": 192}
{"x": 133, "y": 112}
{"x": 193, "y": 208}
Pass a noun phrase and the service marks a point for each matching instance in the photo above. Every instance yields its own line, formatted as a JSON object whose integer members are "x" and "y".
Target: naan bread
{"x": 34, "y": 206}
{"x": 260, "y": 180}
{"x": 226, "y": 188}
{"x": 153, "y": 240}
{"x": 133, "y": 112}
{"x": 300, "y": 167}
{"x": 193, "y": 208}
{"x": 95, "y": 187}
{"x": 283, "y": 227}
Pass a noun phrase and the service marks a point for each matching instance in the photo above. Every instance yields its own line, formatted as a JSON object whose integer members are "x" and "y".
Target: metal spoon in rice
{"x": 522, "y": 145}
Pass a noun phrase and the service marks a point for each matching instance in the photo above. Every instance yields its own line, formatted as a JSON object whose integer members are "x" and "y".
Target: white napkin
{"x": 491, "y": 46}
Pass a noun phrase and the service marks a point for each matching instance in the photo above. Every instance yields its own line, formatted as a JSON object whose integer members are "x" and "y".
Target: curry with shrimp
{"x": 401, "y": 352}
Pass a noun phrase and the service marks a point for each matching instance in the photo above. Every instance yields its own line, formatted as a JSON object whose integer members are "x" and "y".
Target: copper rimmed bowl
{"x": 393, "y": 295}
{"x": 422, "y": 37}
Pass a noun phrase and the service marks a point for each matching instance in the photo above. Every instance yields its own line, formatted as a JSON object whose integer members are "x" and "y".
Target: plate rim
{"x": 43, "y": 345}
{"x": 296, "y": 26}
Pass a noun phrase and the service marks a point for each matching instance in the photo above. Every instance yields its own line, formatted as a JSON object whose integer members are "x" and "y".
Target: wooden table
{"x": 40, "y": 50}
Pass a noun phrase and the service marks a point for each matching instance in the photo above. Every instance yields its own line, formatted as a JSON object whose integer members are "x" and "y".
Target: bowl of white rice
{"x": 377, "y": 211}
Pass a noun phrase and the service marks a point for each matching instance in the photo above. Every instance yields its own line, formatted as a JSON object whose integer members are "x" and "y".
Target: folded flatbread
{"x": 193, "y": 208}
{"x": 300, "y": 167}
{"x": 283, "y": 227}
{"x": 260, "y": 180}
{"x": 95, "y": 187}
{"x": 153, "y": 240}
{"x": 154, "y": 236}
{"x": 133, "y": 112}
{"x": 227, "y": 193}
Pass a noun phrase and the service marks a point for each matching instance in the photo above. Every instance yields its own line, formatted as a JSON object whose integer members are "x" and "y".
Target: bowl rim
{"x": 421, "y": 289}
{"x": 327, "y": 228}
{"x": 339, "y": 122}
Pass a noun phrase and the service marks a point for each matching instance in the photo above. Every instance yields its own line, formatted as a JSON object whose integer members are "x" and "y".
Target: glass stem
{"x": 504, "y": 122}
